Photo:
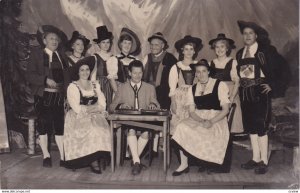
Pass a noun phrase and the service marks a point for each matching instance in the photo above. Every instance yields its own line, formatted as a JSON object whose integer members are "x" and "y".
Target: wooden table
{"x": 143, "y": 121}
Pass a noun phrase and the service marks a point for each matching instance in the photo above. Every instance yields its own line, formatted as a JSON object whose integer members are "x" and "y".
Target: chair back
{"x": 230, "y": 115}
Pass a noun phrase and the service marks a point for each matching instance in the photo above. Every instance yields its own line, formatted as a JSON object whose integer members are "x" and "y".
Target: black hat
{"x": 75, "y": 36}
{"x": 222, "y": 36}
{"x": 258, "y": 29}
{"x": 189, "y": 39}
{"x": 159, "y": 35}
{"x": 136, "y": 44}
{"x": 202, "y": 62}
{"x": 103, "y": 34}
{"x": 90, "y": 61}
{"x": 42, "y": 30}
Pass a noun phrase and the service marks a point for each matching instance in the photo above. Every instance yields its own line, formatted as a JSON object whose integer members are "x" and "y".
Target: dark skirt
{"x": 107, "y": 90}
{"x": 85, "y": 160}
{"x": 256, "y": 109}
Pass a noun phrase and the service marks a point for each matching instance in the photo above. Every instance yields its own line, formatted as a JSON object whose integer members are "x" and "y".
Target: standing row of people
{"x": 198, "y": 93}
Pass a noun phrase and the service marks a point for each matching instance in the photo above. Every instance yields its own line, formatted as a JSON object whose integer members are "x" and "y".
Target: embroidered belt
{"x": 245, "y": 82}
{"x": 59, "y": 88}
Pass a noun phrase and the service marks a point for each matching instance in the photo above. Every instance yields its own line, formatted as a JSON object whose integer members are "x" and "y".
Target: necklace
{"x": 76, "y": 56}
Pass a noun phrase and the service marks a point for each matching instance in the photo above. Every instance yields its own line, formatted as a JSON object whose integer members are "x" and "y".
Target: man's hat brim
{"x": 50, "y": 29}
{"x": 258, "y": 29}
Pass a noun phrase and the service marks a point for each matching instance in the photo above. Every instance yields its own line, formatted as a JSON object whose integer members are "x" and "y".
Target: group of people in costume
{"x": 74, "y": 93}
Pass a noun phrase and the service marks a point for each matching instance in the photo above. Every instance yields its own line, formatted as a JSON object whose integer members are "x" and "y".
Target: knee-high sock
{"x": 127, "y": 151}
{"x": 60, "y": 144}
{"x": 141, "y": 144}
{"x": 155, "y": 142}
{"x": 263, "y": 147}
{"x": 44, "y": 145}
{"x": 183, "y": 162}
{"x": 255, "y": 147}
{"x": 132, "y": 142}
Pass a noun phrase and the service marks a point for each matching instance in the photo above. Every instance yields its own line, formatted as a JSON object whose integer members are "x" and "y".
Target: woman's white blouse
{"x": 223, "y": 92}
{"x": 112, "y": 67}
{"x": 73, "y": 96}
{"x": 222, "y": 65}
{"x": 173, "y": 76}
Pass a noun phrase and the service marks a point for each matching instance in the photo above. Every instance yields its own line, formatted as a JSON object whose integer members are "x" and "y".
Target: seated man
{"x": 135, "y": 94}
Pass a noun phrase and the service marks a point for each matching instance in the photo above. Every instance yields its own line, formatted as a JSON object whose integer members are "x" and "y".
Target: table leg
{"x": 165, "y": 145}
{"x": 112, "y": 152}
{"x": 118, "y": 156}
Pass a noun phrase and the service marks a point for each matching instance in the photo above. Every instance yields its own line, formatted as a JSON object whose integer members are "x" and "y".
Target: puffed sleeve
{"x": 223, "y": 93}
{"x": 173, "y": 80}
{"x": 233, "y": 72}
{"x": 73, "y": 96}
{"x": 101, "y": 97}
{"x": 112, "y": 68}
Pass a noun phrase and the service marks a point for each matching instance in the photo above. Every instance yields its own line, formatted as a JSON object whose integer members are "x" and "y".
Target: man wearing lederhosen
{"x": 45, "y": 75}
{"x": 263, "y": 75}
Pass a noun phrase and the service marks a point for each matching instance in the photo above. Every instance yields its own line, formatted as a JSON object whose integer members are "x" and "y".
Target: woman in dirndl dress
{"x": 224, "y": 68}
{"x": 78, "y": 45}
{"x": 205, "y": 133}
{"x": 104, "y": 41}
{"x": 117, "y": 66}
{"x": 86, "y": 132}
{"x": 181, "y": 77}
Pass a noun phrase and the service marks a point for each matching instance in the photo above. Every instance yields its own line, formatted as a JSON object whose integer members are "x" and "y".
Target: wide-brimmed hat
{"x": 136, "y": 44}
{"x": 189, "y": 39}
{"x": 258, "y": 29}
{"x": 159, "y": 35}
{"x": 75, "y": 36}
{"x": 50, "y": 29}
{"x": 103, "y": 34}
{"x": 74, "y": 70}
{"x": 222, "y": 36}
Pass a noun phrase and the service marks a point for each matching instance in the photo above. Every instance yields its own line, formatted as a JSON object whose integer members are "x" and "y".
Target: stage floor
{"x": 20, "y": 171}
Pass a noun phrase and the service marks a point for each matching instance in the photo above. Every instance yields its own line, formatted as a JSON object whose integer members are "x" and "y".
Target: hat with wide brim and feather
{"x": 74, "y": 70}
{"x": 189, "y": 39}
{"x": 222, "y": 36}
{"x": 75, "y": 36}
{"x": 44, "y": 29}
{"x": 136, "y": 44}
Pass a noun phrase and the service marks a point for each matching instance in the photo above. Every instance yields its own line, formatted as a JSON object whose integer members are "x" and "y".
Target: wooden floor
{"x": 19, "y": 171}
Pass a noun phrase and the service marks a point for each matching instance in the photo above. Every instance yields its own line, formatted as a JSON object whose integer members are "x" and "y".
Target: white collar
{"x": 252, "y": 48}
{"x": 157, "y": 55}
{"x": 137, "y": 84}
{"x": 184, "y": 67}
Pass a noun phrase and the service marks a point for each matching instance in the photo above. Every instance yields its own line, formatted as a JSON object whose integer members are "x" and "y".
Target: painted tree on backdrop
{"x": 14, "y": 52}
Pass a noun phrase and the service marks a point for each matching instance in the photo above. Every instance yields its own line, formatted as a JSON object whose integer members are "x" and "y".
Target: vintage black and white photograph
{"x": 149, "y": 94}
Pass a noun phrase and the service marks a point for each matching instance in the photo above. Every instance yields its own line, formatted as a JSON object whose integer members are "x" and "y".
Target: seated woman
{"x": 87, "y": 133}
{"x": 205, "y": 133}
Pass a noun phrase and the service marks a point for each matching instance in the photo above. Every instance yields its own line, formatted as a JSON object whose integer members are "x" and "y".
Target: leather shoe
{"x": 96, "y": 168}
{"x": 176, "y": 173}
{"x": 261, "y": 169}
{"x": 47, "y": 163}
{"x": 136, "y": 168}
{"x": 251, "y": 164}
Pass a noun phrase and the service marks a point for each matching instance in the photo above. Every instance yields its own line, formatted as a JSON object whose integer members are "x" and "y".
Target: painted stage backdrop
{"x": 174, "y": 18}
